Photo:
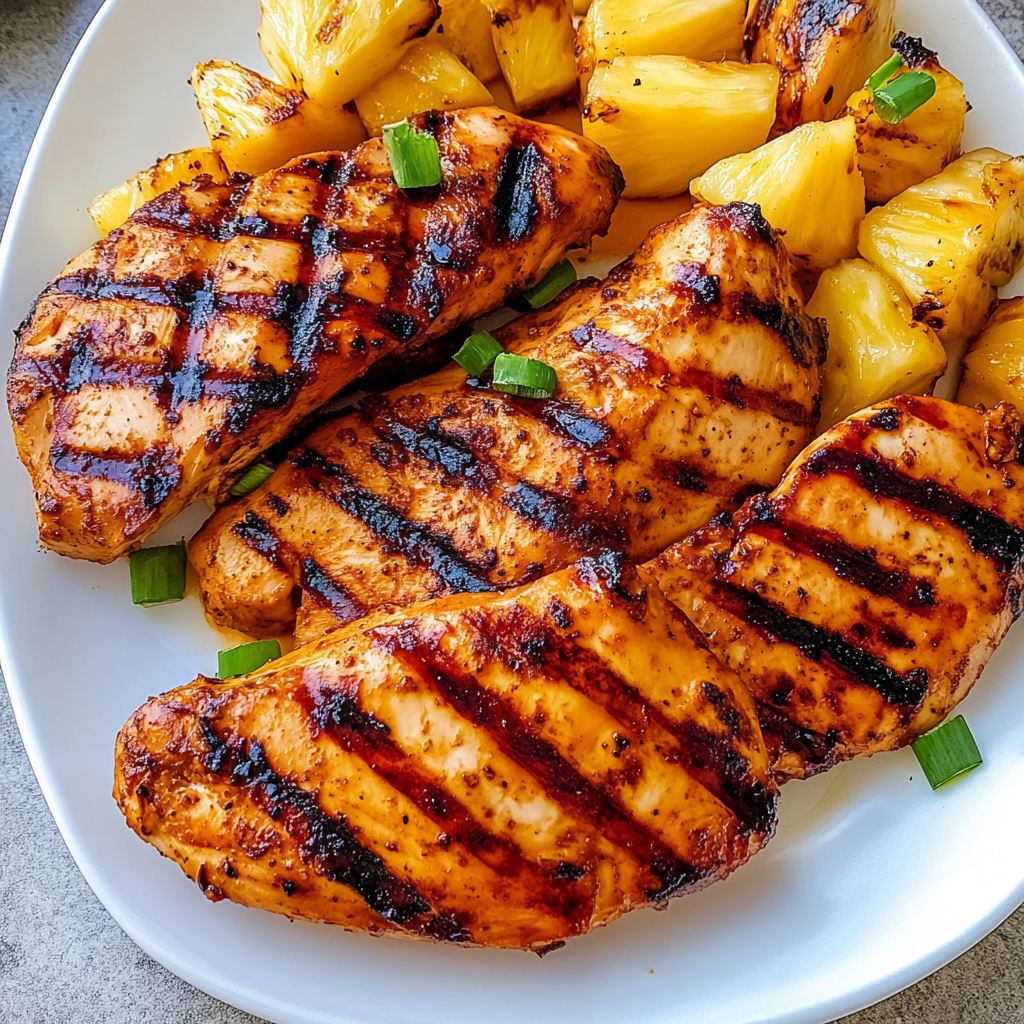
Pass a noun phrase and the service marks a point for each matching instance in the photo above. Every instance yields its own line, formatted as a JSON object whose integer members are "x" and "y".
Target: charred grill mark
{"x": 692, "y": 279}
{"x": 596, "y": 339}
{"x": 572, "y": 422}
{"x": 804, "y": 335}
{"x": 594, "y": 804}
{"x": 558, "y": 515}
{"x": 153, "y": 474}
{"x": 515, "y": 201}
{"x": 913, "y": 51}
{"x": 987, "y": 533}
{"x": 736, "y": 393}
{"x": 434, "y": 446}
{"x": 327, "y": 592}
{"x": 327, "y": 844}
{"x": 815, "y": 750}
{"x": 414, "y": 541}
{"x": 257, "y": 534}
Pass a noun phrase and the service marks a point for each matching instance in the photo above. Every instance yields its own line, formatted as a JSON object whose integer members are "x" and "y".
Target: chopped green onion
{"x": 158, "y": 574}
{"x": 947, "y": 751}
{"x": 258, "y": 473}
{"x": 238, "y": 661}
{"x": 528, "y": 378}
{"x": 554, "y": 282}
{"x": 415, "y": 159}
{"x": 902, "y": 96}
{"x": 477, "y": 353}
{"x": 884, "y": 73}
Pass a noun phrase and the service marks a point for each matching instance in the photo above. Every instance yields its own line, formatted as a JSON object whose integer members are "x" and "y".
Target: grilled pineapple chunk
{"x": 807, "y": 184}
{"x": 952, "y": 240}
{"x": 702, "y": 29}
{"x": 824, "y": 49}
{"x": 428, "y": 77}
{"x": 875, "y": 348}
{"x": 113, "y": 208}
{"x": 465, "y": 28}
{"x": 334, "y": 49}
{"x": 257, "y": 125}
{"x": 994, "y": 363}
{"x": 664, "y": 120}
{"x": 534, "y": 40}
{"x": 893, "y": 157}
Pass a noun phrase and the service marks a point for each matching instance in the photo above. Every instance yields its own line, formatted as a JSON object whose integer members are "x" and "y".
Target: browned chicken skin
{"x": 686, "y": 380}
{"x": 860, "y": 600}
{"x": 502, "y": 770}
{"x": 167, "y": 356}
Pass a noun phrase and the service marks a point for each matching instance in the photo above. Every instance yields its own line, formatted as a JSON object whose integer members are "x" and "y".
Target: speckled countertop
{"x": 63, "y": 960}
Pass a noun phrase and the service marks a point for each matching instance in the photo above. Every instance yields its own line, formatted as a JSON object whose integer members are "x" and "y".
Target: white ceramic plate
{"x": 872, "y": 882}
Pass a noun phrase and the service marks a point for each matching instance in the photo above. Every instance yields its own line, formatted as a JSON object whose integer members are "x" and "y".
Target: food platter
{"x": 872, "y": 881}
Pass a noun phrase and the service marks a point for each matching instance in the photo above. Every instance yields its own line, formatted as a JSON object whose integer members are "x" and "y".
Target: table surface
{"x": 62, "y": 957}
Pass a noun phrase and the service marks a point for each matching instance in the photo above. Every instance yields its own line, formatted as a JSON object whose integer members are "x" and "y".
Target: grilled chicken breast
{"x": 686, "y": 380}
{"x": 502, "y": 770}
{"x": 167, "y": 356}
{"x": 860, "y": 600}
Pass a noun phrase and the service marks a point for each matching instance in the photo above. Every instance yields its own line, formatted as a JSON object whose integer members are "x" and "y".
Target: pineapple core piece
{"x": 428, "y": 77}
{"x": 664, "y": 120}
{"x": 465, "y": 28}
{"x": 534, "y": 40}
{"x": 332, "y": 50}
{"x": 994, "y": 364}
{"x": 113, "y": 208}
{"x": 807, "y": 184}
{"x": 893, "y": 157}
{"x": 875, "y": 348}
{"x": 952, "y": 240}
{"x": 703, "y": 29}
{"x": 257, "y": 125}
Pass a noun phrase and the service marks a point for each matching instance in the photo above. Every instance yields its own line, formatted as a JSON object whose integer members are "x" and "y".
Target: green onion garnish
{"x": 238, "y": 661}
{"x": 477, "y": 353}
{"x": 554, "y": 282}
{"x": 902, "y": 96}
{"x": 158, "y": 574}
{"x": 258, "y": 473}
{"x": 947, "y": 751}
{"x": 415, "y": 159}
{"x": 527, "y": 378}
{"x": 884, "y": 73}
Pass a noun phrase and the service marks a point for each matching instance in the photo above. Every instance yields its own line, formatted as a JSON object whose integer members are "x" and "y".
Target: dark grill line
{"x": 153, "y": 473}
{"x": 327, "y": 844}
{"x": 558, "y": 515}
{"x": 327, "y": 592}
{"x": 816, "y": 751}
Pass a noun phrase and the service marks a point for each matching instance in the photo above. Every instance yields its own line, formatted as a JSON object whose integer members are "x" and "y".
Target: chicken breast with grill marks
{"x": 860, "y": 600}
{"x": 501, "y": 770}
{"x": 171, "y": 353}
{"x": 687, "y": 380}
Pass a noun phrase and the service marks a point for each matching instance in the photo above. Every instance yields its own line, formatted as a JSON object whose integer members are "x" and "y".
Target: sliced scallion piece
{"x": 903, "y": 95}
{"x": 527, "y": 378}
{"x": 238, "y": 661}
{"x": 554, "y": 282}
{"x": 477, "y": 353}
{"x": 158, "y": 574}
{"x": 884, "y": 73}
{"x": 415, "y": 159}
{"x": 947, "y": 751}
{"x": 258, "y": 473}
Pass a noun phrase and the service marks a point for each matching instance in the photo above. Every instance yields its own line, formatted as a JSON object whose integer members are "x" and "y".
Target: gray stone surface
{"x": 63, "y": 960}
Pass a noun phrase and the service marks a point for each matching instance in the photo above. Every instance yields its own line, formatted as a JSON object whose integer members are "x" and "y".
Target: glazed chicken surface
{"x": 687, "y": 380}
{"x": 495, "y": 769}
{"x": 860, "y": 600}
{"x": 167, "y": 356}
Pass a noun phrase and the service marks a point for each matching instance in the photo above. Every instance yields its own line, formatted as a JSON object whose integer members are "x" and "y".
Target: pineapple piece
{"x": 465, "y": 28}
{"x": 875, "y": 347}
{"x": 664, "y": 120}
{"x": 994, "y": 363}
{"x": 824, "y": 49}
{"x": 703, "y": 29}
{"x": 807, "y": 184}
{"x": 257, "y": 125}
{"x": 534, "y": 40}
{"x": 893, "y": 157}
{"x": 428, "y": 77}
{"x": 952, "y": 240}
{"x": 113, "y": 208}
{"x": 332, "y": 50}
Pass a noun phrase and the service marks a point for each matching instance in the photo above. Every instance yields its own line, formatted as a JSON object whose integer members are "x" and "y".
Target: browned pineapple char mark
{"x": 687, "y": 380}
{"x": 860, "y": 600}
{"x": 501, "y": 770}
{"x": 162, "y": 360}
